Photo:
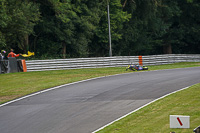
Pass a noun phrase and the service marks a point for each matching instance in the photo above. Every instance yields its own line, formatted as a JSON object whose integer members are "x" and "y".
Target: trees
{"x": 167, "y": 24}
{"x": 4, "y": 19}
{"x": 160, "y": 27}
{"x": 189, "y": 23}
{"x": 69, "y": 26}
{"x": 79, "y": 28}
{"x": 100, "y": 45}
{"x": 137, "y": 36}
{"x": 20, "y": 18}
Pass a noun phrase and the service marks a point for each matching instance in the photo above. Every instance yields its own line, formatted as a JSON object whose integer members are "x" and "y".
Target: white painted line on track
{"x": 138, "y": 109}
{"x": 46, "y": 90}
{"x": 53, "y": 88}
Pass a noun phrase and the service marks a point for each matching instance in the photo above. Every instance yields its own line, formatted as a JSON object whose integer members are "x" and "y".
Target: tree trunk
{"x": 35, "y": 41}
{"x": 64, "y": 50}
{"x": 124, "y": 3}
{"x": 26, "y": 43}
{"x": 167, "y": 49}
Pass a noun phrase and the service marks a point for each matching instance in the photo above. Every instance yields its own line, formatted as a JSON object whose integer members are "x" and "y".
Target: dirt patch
{"x": 7, "y": 98}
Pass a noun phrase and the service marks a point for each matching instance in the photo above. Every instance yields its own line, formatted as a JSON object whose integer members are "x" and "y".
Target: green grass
{"x": 14, "y": 85}
{"x": 175, "y": 65}
{"x": 154, "y": 118}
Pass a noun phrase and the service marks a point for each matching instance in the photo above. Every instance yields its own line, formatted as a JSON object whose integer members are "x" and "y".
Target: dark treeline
{"x": 79, "y": 28}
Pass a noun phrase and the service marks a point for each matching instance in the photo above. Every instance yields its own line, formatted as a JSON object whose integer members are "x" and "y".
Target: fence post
{"x": 24, "y": 65}
{"x": 140, "y": 60}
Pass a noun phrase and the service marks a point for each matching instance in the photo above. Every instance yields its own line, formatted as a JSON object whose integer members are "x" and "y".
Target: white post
{"x": 110, "y": 47}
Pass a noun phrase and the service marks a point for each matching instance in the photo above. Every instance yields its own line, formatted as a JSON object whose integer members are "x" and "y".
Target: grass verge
{"x": 14, "y": 85}
{"x": 154, "y": 118}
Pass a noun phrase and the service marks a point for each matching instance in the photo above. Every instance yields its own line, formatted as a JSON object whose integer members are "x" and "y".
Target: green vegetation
{"x": 175, "y": 65}
{"x": 14, "y": 85}
{"x": 154, "y": 118}
{"x": 79, "y": 28}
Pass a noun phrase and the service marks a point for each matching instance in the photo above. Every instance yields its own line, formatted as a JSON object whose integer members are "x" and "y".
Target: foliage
{"x": 4, "y": 19}
{"x": 77, "y": 28}
{"x": 22, "y": 16}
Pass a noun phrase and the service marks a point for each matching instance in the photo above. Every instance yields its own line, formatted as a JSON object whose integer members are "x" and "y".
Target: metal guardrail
{"x": 99, "y": 62}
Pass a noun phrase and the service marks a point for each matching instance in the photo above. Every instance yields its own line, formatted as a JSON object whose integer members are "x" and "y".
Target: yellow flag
{"x": 29, "y": 54}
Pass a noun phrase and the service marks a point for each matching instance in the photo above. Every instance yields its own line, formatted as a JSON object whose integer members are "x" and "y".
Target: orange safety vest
{"x": 11, "y": 54}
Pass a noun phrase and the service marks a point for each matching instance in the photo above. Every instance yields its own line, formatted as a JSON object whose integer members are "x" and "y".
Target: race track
{"x": 86, "y": 106}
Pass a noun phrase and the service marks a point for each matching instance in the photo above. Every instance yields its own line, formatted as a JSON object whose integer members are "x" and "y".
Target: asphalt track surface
{"x": 86, "y": 106}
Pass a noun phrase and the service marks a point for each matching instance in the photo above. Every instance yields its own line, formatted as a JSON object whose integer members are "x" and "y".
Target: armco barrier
{"x": 11, "y": 65}
{"x": 117, "y": 61}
